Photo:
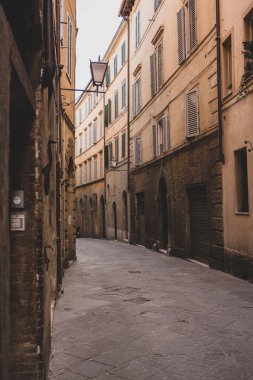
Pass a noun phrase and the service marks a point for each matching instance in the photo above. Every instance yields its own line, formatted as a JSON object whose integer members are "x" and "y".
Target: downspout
{"x": 128, "y": 102}
{"x": 219, "y": 83}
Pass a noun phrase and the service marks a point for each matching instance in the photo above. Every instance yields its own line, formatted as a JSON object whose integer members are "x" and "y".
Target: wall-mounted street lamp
{"x": 98, "y": 72}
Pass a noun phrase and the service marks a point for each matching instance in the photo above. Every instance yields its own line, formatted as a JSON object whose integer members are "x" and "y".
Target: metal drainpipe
{"x": 218, "y": 45}
{"x": 128, "y": 102}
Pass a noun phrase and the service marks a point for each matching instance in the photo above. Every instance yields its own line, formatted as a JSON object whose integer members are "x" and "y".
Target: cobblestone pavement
{"x": 129, "y": 313}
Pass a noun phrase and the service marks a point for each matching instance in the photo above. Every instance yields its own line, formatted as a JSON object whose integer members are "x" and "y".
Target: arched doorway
{"x": 102, "y": 217}
{"x": 125, "y": 216}
{"x": 163, "y": 214}
{"x": 114, "y": 219}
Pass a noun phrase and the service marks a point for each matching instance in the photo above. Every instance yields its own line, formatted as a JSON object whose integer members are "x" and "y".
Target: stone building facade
{"x": 102, "y": 132}
{"x": 89, "y": 161}
{"x": 175, "y": 176}
{"x": 237, "y": 100}
{"x": 67, "y": 169}
{"x": 29, "y": 156}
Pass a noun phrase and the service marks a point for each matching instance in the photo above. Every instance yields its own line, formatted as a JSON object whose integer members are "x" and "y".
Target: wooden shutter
{"x": 138, "y": 151}
{"x": 192, "y": 24}
{"x": 181, "y": 35}
{"x": 106, "y": 115}
{"x": 134, "y": 99}
{"x": 155, "y": 140}
{"x": 117, "y": 149}
{"x": 108, "y": 77}
{"x": 106, "y": 157}
{"x": 192, "y": 114}
{"x": 62, "y": 22}
{"x": 164, "y": 125}
{"x": 123, "y": 145}
{"x": 159, "y": 66}
{"x": 153, "y": 73}
{"x": 109, "y": 111}
{"x": 95, "y": 132}
{"x": 138, "y": 94}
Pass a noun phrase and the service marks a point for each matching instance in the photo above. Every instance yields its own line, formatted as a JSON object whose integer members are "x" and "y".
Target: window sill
{"x": 242, "y": 213}
{"x": 228, "y": 94}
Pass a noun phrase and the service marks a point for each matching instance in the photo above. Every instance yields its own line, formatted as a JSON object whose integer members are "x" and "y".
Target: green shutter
{"x": 106, "y": 157}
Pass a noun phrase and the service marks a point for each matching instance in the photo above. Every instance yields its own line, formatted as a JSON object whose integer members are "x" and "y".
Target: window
{"x": 81, "y": 143}
{"x": 108, "y": 76}
{"x": 80, "y": 174}
{"x": 85, "y": 140}
{"x": 123, "y": 96}
{"x": 108, "y": 113}
{"x": 85, "y": 172}
{"x": 62, "y": 23}
{"x": 136, "y": 93}
{"x": 95, "y": 131}
{"x": 187, "y": 30}
{"x": 101, "y": 164}
{"x": 90, "y": 135}
{"x": 227, "y": 49}
{"x": 101, "y": 123}
{"x": 116, "y": 142}
{"x": 115, "y": 65}
{"x": 89, "y": 174}
{"x": 123, "y": 53}
{"x": 123, "y": 145}
{"x": 137, "y": 30}
{"x": 110, "y": 152}
{"x": 116, "y": 104}
{"x": 160, "y": 136}
{"x": 157, "y": 3}
{"x": 192, "y": 113}
{"x": 138, "y": 151}
{"x": 241, "y": 178}
{"x": 156, "y": 69}
{"x": 69, "y": 49}
{"x": 248, "y": 45}
{"x": 95, "y": 168}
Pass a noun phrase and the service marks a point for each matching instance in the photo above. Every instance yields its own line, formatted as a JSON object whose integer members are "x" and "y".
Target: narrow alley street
{"x": 130, "y": 313}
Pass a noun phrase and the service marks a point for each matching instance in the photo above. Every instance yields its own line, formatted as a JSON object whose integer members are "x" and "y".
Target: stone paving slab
{"x": 131, "y": 314}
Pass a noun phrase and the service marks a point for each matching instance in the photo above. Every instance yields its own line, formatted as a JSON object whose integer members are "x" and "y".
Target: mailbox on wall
{"x": 17, "y": 216}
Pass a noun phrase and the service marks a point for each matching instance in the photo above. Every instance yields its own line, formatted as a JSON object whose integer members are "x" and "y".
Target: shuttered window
{"x": 116, "y": 141}
{"x": 136, "y": 94}
{"x": 137, "y": 30}
{"x": 156, "y": 5}
{"x": 109, "y": 111}
{"x": 62, "y": 23}
{"x": 101, "y": 164}
{"x": 153, "y": 73}
{"x": 108, "y": 76}
{"x": 95, "y": 131}
{"x": 106, "y": 157}
{"x": 138, "y": 151}
{"x": 163, "y": 124}
{"x": 95, "y": 168}
{"x": 90, "y": 135}
{"x": 192, "y": 114}
{"x": 110, "y": 153}
{"x": 187, "y": 30}
{"x": 123, "y": 53}
{"x": 156, "y": 69}
{"x": 181, "y": 35}
{"x": 123, "y": 145}
{"x": 115, "y": 62}
{"x": 69, "y": 49}
{"x": 192, "y": 24}
{"x": 155, "y": 141}
{"x": 116, "y": 104}
{"x": 123, "y": 95}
